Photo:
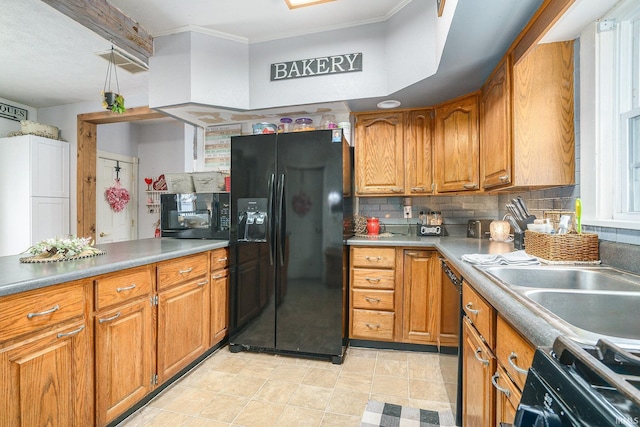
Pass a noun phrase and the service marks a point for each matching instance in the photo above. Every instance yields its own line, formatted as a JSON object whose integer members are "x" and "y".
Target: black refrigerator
{"x": 288, "y": 260}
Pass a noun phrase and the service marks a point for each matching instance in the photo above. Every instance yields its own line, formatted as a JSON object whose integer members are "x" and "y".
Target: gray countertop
{"x": 530, "y": 324}
{"x": 19, "y": 277}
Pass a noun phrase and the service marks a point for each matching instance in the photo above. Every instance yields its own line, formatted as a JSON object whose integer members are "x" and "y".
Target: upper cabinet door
{"x": 379, "y": 154}
{"x": 49, "y": 167}
{"x": 495, "y": 135}
{"x": 419, "y": 152}
{"x": 457, "y": 145}
{"x": 543, "y": 117}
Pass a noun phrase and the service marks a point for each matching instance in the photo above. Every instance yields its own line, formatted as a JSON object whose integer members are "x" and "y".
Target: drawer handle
{"x": 372, "y": 326}
{"x": 186, "y": 270}
{"x": 44, "y": 313}
{"x": 494, "y": 381}
{"x": 514, "y": 356}
{"x": 204, "y": 282}
{"x": 417, "y": 189}
{"x": 470, "y": 186}
{"x": 503, "y": 178}
{"x": 126, "y": 288}
{"x": 372, "y": 279}
{"x": 217, "y": 276}
{"x": 369, "y": 299}
{"x": 471, "y": 310}
{"x": 483, "y": 361}
{"x": 109, "y": 319}
{"x": 223, "y": 259}
{"x": 68, "y": 334}
{"x": 373, "y": 258}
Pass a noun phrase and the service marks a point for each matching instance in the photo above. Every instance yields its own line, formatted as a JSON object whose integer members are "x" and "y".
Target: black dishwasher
{"x": 450, "y": 278}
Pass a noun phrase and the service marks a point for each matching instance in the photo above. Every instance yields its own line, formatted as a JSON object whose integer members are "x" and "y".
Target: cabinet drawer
{"x": 374, "y": 257}
{"x": 219, "y": 259}
{"x": 514, "y": 353}
{"x": 370, "y": 278}
{"x": 369, "y": 324}
{"x": 372, "y": 299}
{"x": 39, "y": 309}
{"x": 123, "y": 286}
{"x": 480, "y": 313}
{"x": 182, "y": 269}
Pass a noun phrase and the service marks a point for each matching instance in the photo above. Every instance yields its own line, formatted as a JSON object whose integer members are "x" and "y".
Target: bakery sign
{"x": 12, "y": 113}
{"x": 335, "y": 64}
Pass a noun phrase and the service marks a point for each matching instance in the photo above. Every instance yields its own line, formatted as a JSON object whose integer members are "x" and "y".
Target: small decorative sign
{"x": 336, "y": 64}
{"x": 12, "y": 113}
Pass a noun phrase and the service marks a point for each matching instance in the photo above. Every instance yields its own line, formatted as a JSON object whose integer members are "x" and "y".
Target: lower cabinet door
{"x": 421, "y": 299}
{"x": 219, "y": 305}
{"x": 478, "y": 394}
{"x": 124, "y": 358}
{"x": 507, "y": 397}
{"x": 184, "y": 323}
{"x": 46, "y": 380}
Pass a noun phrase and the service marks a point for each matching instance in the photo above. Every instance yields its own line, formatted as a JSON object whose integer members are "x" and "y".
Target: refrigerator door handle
{"x": 271, "y": 218}
{"x": 282, "y": 221}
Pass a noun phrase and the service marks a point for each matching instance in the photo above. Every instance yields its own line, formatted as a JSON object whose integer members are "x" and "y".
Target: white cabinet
{"x": 34, "y": 189}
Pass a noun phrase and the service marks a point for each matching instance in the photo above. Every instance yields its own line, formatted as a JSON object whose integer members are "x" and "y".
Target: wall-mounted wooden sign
{"x": 12, "y": 113}
{"x": 323, "y": 65}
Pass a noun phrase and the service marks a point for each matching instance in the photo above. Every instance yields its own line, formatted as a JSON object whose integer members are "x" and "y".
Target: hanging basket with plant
{"x": 111, "y": 100}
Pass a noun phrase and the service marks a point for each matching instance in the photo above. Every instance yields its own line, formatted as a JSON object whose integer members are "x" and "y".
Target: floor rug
{"x": 379, "y": 414}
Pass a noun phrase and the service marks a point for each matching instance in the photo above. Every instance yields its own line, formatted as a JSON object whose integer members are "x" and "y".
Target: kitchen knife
{"x": 523, "y": 206}
{"x": 521, "y": 213}
{"x": 579, "y": 215}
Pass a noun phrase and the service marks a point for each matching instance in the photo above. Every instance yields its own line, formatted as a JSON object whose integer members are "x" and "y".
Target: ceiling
{"x": 48, "y": 59}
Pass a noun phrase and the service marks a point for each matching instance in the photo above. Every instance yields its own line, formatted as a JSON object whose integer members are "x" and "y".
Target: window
{"x": 610, "y": 126}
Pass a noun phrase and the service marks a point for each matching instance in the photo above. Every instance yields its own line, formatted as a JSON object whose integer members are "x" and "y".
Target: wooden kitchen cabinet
{"x": 184, "y": 313}
{"x": 46, "y": 362}
{"x": 514, "y": 353}
{"x": 507, "y": 398}
{"x": 495, "y": 128}
{"x": 478, "y": 360}
{"x": 421, "y": 297}
{"x": 479, "y": 364}
{"x": 394, "y": 153}
{"x": 379, "y": 153}
{"x": 219, "y": 294}
{"x": 457, "y": 145}
{"x": 124, "y": 340}
{"x": 418, "y": 165}
{"x": 373, "y": 294}
{"x": 543, "y": 117}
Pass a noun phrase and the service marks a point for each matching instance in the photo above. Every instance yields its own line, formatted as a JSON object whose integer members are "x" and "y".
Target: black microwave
{"x": 195, "y": 215}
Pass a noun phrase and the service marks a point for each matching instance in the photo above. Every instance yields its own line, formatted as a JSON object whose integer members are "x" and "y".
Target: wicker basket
{"x": 562, "y": 247}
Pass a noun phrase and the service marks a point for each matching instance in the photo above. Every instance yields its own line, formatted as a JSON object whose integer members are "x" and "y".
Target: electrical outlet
{"x": 407, "y": 211}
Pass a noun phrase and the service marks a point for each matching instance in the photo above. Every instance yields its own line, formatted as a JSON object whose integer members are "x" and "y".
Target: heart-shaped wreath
{"x": 117, "y": 196}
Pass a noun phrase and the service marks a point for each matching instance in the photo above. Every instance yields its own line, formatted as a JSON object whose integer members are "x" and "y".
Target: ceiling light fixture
{"x": 390, "y": 103}
{"x": 294, "y": 4}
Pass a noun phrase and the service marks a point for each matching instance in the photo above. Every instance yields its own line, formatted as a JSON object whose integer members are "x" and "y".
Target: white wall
{"x": 231, "y": 73}
{"x": 161, "y": 149}
{"x": 7, "y": 126}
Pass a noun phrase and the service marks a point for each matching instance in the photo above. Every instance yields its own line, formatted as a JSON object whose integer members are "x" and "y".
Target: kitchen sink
{"x": 589, "y": 279}
{"x": 589, "y": 302}
{"x": 614, "y": 314}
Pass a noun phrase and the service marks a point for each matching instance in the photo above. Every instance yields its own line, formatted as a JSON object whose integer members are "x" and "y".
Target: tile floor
{"x": 254, "y": 389}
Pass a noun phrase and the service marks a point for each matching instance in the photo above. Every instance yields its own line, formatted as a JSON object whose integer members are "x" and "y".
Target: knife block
{"x": 518, "y": 240}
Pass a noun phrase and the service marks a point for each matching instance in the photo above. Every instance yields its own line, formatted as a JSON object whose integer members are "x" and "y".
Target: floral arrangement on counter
{"x": 62, "y": 248}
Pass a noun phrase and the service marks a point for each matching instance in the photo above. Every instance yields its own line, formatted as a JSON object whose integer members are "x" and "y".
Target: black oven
{"x": 578, "y": 385}
{"x": 195, "y": 215}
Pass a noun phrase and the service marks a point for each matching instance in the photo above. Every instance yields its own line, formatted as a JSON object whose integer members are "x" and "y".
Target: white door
{"x": 112, "y": 226}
